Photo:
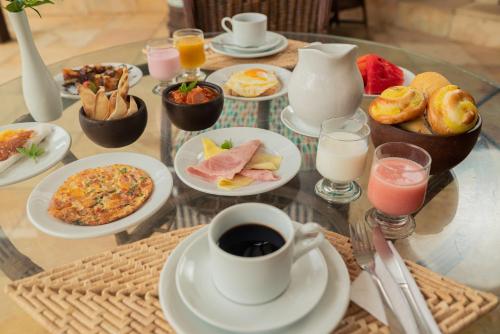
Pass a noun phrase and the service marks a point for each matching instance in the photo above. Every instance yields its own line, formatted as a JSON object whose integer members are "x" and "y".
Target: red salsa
{"x": 196, "y": 95}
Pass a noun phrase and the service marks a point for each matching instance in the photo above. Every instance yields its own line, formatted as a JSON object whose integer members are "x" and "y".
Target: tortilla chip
{"x": 120, "y": 109}
{"x": 88, "y": 99}
{"x": 123, "y": 84}
{"x": 112, "y": 103}
{"x": 101, "y": 105}
{"x": 132, "y": 108}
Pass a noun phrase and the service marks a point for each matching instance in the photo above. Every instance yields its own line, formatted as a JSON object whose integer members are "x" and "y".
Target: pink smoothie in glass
{"x": 397, "y": 186}
{"x": 163, "y": 63}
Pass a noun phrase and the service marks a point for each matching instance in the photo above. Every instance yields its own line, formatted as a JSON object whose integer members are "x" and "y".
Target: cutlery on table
{"x": 398, "y": 270}
{"x": 364, "y": 253}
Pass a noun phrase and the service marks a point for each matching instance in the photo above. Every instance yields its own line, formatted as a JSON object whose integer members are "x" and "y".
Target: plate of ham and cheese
{"x": 237, "y": 161}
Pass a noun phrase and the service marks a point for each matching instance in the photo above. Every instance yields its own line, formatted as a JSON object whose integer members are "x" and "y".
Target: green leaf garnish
{"x": 186, "y": 88}
{"x": 33, "y": 152}
{"x": 227, "y": 144}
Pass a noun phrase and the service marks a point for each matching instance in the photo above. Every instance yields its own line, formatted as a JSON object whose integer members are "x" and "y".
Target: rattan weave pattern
{"x": 116, "y": 292}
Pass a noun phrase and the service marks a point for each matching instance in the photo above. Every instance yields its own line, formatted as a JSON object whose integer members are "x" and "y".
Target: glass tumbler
{"x": 191, "y": 46}
{"x": 163, "y": 64}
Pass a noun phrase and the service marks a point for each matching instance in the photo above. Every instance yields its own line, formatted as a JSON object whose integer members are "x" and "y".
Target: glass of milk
{"x": 341, "y": 158}
{"x": 163, "y": 64}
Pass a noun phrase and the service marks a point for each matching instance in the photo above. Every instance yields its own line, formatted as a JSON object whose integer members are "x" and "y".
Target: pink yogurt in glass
{"x": 163, "y": 63}
{"x": 397, "y": 186}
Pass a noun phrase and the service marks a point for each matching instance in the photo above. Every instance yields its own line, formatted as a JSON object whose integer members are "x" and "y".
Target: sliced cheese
{"x": 237, "y": 182}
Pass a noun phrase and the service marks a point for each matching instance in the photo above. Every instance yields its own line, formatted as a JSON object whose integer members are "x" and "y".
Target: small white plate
{"x": 408, "y": 77}
{"x": 307, "y": 285}
{"x": 296, "y": 124}
{"x": 220, "y": 77}
{"x": 322, "y": 319}
{"x": 70, "y": 92}
{"x": 191, "y": 153}
{"x": 236, "y": 54}
{"x": 56, "y": 145}
{"x": 272, "y": 39}
{"x": 39, "y": 200}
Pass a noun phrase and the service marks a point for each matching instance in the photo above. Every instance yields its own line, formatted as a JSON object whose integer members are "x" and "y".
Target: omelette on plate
{"x": 252, "y": 82}
{"x": 101, "y": 195}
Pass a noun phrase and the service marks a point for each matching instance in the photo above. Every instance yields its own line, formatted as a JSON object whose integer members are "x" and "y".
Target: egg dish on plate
{"x": 98, "y": 196}
{"x": 252, "y": 82}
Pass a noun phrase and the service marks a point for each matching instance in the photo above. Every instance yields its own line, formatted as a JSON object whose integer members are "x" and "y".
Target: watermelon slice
{"x": 379, "y": 74}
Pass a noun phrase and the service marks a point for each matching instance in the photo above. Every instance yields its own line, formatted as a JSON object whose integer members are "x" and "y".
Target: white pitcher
{"x": 41, "y": 94}
{"x": 325, "y": 83}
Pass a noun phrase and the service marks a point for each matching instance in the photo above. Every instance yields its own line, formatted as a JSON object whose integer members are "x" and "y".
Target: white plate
{"x": 235, "y": 54}
{"x": 296, "y": 124}
{"x": 70, "y": 92}
{"x": 322, "y": 319}
{"x": 220, "y": 77}
{"x": 408, "y": 77}
{"x": 56, "y": 145}
{"x": 307, "y": 285}
{"x": 272, "y": 39}
{"x": 191, "y": 153}
{"x": 40, "y": 197}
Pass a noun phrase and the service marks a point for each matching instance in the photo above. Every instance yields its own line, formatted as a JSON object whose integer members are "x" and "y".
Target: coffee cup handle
{"x": 224, "y": 26}
{"x": 307, "y": 237}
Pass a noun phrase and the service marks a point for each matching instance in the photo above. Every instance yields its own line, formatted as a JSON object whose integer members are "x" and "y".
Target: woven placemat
{"x": 286, "y": 58}
{"x": 116, "y": 292}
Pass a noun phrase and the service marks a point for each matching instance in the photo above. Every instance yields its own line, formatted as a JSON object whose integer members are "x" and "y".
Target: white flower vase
{"x": 41, "y": 94}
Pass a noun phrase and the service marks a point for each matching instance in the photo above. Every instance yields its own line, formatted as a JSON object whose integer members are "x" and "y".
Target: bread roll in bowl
{"x": 397, "y": 104}
{"x": 429, "y": 82}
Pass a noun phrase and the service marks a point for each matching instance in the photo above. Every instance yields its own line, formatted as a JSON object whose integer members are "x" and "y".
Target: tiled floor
{"x": 58, "y": 38}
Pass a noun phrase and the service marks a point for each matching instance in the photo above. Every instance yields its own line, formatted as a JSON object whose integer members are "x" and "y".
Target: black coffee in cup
{"x": 251, "y": 240}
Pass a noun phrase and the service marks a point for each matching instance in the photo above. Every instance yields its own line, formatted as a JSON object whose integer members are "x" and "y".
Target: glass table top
{"x": 458, "y": 229}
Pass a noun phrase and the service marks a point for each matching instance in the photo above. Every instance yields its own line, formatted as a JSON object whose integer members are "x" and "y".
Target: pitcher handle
{"x": 223, "y": 23}
{"x": 307, "y": 237}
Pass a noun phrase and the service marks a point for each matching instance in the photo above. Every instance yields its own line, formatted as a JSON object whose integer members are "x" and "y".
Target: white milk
{"x": 341, "y": 161}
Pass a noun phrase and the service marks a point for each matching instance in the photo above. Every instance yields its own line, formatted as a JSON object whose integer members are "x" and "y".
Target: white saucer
{"x": 220, "y": 77}
{"x": 322, "y": 319}
{"x": 307, "y": 285}
{"x": 71, "y": 92}
{"x": 272, "y": 40}
{"x": 191, "y": 153}
{"x": 41, "y": 196}
{"x": 296, "y": 124}
{"x": 56, "y": 145}
{"x": 408, "y": 77}
{"x": 280, "y": 46}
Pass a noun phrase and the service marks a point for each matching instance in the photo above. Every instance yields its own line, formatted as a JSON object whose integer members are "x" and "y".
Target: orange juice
{"x": 191, "y": 50}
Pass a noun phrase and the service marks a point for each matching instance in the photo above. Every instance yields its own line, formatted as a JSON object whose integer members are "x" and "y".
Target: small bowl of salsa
{"x": 193, "y": 106}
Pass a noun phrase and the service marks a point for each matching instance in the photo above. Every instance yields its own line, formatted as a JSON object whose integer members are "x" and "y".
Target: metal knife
{"x": 397, "y": 268}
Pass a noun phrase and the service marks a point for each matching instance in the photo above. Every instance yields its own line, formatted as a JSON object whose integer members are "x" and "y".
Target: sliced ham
{"x": 226, "y": 164}
{"x": 260, "y": 174}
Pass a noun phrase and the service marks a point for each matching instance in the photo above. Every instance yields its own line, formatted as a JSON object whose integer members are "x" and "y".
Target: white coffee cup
{"x": 256, "y": 280}
{"x": 248, "y": 29}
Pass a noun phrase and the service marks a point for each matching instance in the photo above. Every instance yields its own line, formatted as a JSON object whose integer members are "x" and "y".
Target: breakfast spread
{"x": 94, "y": 76}
{"x": 101, "y": 195}
{"x": 378, "y": 73}
{"x": 252, "y": 82}
{"x": 235, "y": 167}
{"x": 429, "y": 105}
{"x": 192, "y": 93}
{"x": 99, "y": 107}
{"x": 16, "y": 143}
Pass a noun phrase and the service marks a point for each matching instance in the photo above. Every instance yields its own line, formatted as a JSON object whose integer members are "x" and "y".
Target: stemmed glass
{"x": 341, "y": 158}
{"x": 396, "y": 187}
{"x": 191, "y": 46}
{"x": 163, "y": 63}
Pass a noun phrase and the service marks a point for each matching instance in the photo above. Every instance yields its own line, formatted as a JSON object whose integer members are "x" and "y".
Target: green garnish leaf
{"x": 227, "y": 144}
{"x": 186, "y": 88}
{"x": 33, "y": 152}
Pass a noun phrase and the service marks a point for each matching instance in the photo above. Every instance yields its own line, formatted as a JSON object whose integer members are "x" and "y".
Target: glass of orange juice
{"x": 191, "y": 46}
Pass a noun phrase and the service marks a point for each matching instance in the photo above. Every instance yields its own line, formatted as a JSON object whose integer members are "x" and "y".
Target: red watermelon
{"x": 378, "y": 74}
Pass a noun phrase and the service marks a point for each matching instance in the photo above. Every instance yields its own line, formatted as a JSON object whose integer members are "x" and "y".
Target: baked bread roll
{"x": 417, "y": 125}
{"x": 397, "y": 104}
{"x": 451, "y": 111}
{"x": 429, "y": 82}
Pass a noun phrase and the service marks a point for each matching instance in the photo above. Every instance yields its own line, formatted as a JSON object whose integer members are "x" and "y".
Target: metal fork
{"x": 364, "y": 252}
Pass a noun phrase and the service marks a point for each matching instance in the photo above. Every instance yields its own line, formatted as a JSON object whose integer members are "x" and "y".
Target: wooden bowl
{"x": 118, "y": 132}
{"x": 194, "y": 117}
{"x": 446, "y": 151}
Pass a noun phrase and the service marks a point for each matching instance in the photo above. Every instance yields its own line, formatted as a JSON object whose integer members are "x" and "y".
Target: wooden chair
{"x": 340, "y": 5}
{"x": 4, "y": 33}
{"x": 282, "y": 15}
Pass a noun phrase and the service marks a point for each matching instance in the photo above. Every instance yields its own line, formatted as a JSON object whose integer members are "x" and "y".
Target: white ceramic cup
{"x": 248, "y": 29}
{"x": 256, "y": 280}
